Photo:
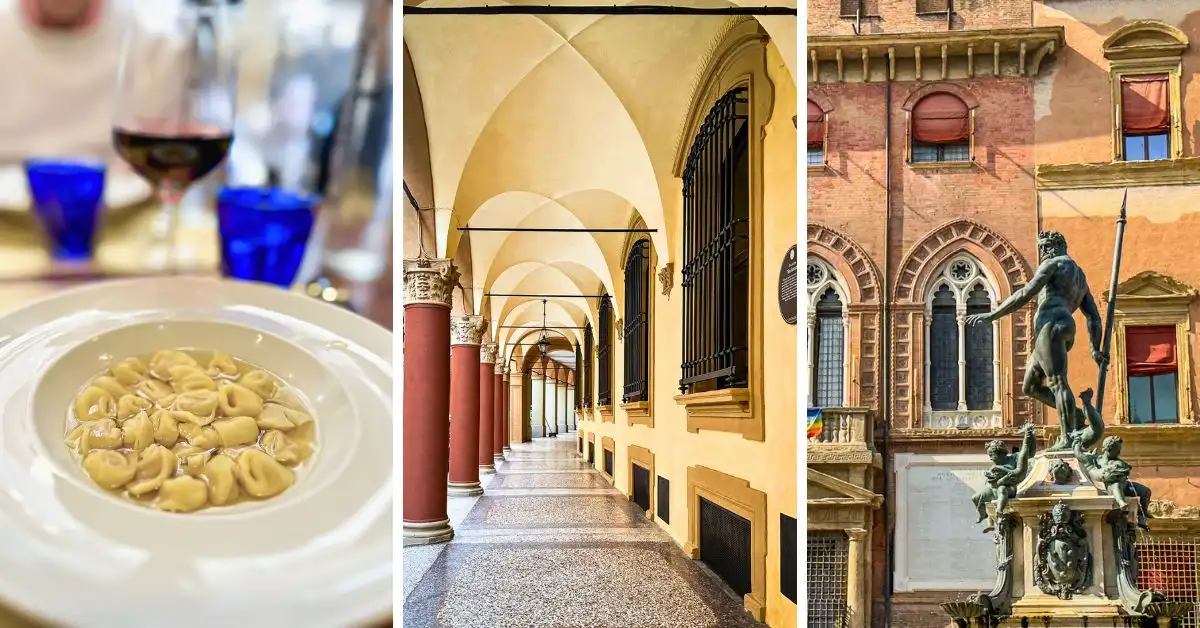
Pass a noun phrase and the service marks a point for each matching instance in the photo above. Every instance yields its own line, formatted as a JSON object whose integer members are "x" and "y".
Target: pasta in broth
{"x": 182, "y": 430}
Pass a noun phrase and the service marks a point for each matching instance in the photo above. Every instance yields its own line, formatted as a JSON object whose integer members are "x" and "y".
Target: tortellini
{"x": 261, "y": 476}
{"x": 110, "y": 469}
{"x": 183, "y": 430}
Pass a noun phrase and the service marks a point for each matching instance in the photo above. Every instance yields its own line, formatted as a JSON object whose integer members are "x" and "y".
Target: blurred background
{"x": 308, "y": 107}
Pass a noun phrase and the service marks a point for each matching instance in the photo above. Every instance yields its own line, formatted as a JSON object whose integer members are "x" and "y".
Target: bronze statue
{"x": 1061, "y": 289}
{"x": 1006, "y": 473}
{"x": 1107, "y": 468}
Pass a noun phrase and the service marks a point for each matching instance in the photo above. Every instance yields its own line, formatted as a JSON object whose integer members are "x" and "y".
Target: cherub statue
{"x": 1107, "y": 468}
{"x": 1006, "y": 473}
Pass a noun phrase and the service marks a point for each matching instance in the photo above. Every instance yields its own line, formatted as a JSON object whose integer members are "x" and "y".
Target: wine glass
{"x": 176, "y": 95}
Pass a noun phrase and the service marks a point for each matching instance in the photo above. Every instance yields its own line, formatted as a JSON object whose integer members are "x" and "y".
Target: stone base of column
{"x": 507, "y": 450}
{"x": 464, "y": 489}
{"x": 427, "y": 533}
{"x": 487, "y": 468}
{"x": 497, "y": 458}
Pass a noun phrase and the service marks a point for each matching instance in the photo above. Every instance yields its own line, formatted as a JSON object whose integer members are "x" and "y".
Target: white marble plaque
{"x": 938, "y": 544}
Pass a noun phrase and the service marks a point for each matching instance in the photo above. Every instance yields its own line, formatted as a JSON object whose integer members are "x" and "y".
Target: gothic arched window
{"x": 960, "y": 360}
{"x": 827, "y": 322}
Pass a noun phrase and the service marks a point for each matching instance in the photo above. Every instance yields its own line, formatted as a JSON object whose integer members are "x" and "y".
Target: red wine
{"x": 172, "y": 159}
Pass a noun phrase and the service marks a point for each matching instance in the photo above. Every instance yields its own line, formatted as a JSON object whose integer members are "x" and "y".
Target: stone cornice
{"x": 1117, "y": 174}
{"x": 1029, "y": 46}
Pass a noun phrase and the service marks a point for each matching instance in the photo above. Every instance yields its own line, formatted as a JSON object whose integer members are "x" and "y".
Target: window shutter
{"x": 849, "y": 8}
{"x": 1145, "y": 106}
{"x": 932, "y": 6}
{"x": 816, "y": 124}
{"x": 972, "y": 136}
{"x": 1150, "y": 350}
{"x": 941, "y": 118}
{"x": 907, "y": 136}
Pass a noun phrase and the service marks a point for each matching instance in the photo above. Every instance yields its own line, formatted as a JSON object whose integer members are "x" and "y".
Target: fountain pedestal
{"x": 1064, "y": 551}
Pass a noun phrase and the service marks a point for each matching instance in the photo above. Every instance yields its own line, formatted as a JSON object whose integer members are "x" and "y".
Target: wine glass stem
{"x": 170, "y": 205}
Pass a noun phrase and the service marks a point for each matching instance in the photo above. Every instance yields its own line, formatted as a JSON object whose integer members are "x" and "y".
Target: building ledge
{"x": 606, "y": 414}
{"x": 1160, "y": 445}
{"x": 727, "y": 410}
{"x": 1029, "y": 45}
{"x": 639, "y": 413}
{"x": 1116, "y": 174}
{"x": 943, "y": 165}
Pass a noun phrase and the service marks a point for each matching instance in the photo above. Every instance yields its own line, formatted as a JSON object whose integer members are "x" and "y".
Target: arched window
{"x": 818, "y": 132}
{"x": 604, "y": 353}
{"x": 716, "y": 250}
{"x": 637, "y": 318}
{"x": 587, "y": 366}
{"x": 942, "y": 129}
{"x": 826, "y": 336}
{"x": 960, "y": 360}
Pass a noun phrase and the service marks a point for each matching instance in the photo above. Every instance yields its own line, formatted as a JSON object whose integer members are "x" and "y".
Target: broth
{"x": 184, "y": 429}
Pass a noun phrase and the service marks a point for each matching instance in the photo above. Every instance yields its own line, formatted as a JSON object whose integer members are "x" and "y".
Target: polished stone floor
{"x": 551, "y": 544}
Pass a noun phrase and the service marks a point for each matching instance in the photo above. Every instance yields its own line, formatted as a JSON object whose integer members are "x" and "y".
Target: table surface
{"x": 27, "y": 273}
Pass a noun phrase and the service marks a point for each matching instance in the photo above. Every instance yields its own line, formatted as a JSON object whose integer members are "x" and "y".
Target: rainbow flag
{"x": 816, "y": 424}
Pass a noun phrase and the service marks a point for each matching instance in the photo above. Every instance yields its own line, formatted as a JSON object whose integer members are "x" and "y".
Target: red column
{"x": 506, "y": 417}
{"x": 486, "y": 393}
{"x": 545, "y": 410}
{"x": 498, "y": 413}
{"x": 466, "y": 332}
{"x": 426, "y": 327}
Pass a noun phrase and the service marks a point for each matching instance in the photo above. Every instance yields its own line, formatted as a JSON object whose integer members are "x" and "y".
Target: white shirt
{"x": 60, "y": 88}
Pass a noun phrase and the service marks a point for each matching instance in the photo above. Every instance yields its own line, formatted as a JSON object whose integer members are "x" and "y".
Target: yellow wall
{"x": 769, "y": 466}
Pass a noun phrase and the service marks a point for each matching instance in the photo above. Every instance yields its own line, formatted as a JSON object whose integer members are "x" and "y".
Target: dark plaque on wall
{"x": 788, "y": 286}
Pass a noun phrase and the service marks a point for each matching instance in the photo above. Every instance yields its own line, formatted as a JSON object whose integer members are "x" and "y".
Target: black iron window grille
{"x": 641, "y": 487}
{"x": 604, "y": 353}
{"x": 608, "y": 462}
{"x": 725, "y": 545}
{"x": 828, "y": 386}
{"x": 591, "y": 452}
{"x": 637, "y": 324}
{"x": 664, "y": 499}
{"x": 580, "y": 444}
{"x": 788, "y": 551}
{"x": 828, "y": 584}
{"x": 579, "y": 365}
{"x": 587, "y": 366}
{"x": 716, "y": 249}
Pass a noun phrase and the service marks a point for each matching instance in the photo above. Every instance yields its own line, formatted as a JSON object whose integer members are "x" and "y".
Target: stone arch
{"x": 997, "y": 254}
{"x": 849, "y": 259}
{"x": 948, "y": 87}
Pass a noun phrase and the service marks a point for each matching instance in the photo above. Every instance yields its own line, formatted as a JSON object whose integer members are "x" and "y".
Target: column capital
{"x": 856, "y": 534}
{"x": 507, "y": 372}
{"x": 467, "y": 330}
{"x": 487, "y": 353}
{"x": 429, "y": 281}
{"x": 499, "y": 368}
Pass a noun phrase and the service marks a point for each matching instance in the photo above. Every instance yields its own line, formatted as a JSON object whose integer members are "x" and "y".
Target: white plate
{"x": 121, "y": 189}
{"x": 319, "y": 555}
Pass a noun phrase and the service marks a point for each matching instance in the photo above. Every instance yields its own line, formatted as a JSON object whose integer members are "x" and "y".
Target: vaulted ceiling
{"x": 553, "y": 121}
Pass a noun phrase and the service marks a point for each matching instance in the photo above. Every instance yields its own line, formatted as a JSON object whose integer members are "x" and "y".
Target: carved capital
{"x": 467, "y": 330}
{"x": 429, "y": 281}
{"x": 487, "y": 353}
{"x": 666, "y": 276}
{"x": 856, "y": 534}
{"x": 499, "y": 368}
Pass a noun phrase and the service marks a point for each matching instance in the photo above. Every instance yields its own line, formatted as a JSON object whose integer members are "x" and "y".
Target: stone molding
{"x": 467, "y": 330}
{"x": 429, "y": 282}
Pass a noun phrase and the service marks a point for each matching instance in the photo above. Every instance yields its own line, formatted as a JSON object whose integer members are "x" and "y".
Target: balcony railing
{"x": 845, "y": 426}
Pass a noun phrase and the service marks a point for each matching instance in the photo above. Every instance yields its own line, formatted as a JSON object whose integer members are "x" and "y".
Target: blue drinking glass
{"x": 264, "y": 232}
{"x": 67, "y": 195}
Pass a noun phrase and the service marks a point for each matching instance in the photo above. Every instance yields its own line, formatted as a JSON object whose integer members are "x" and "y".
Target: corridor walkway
{"x": 551, "y": 544}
